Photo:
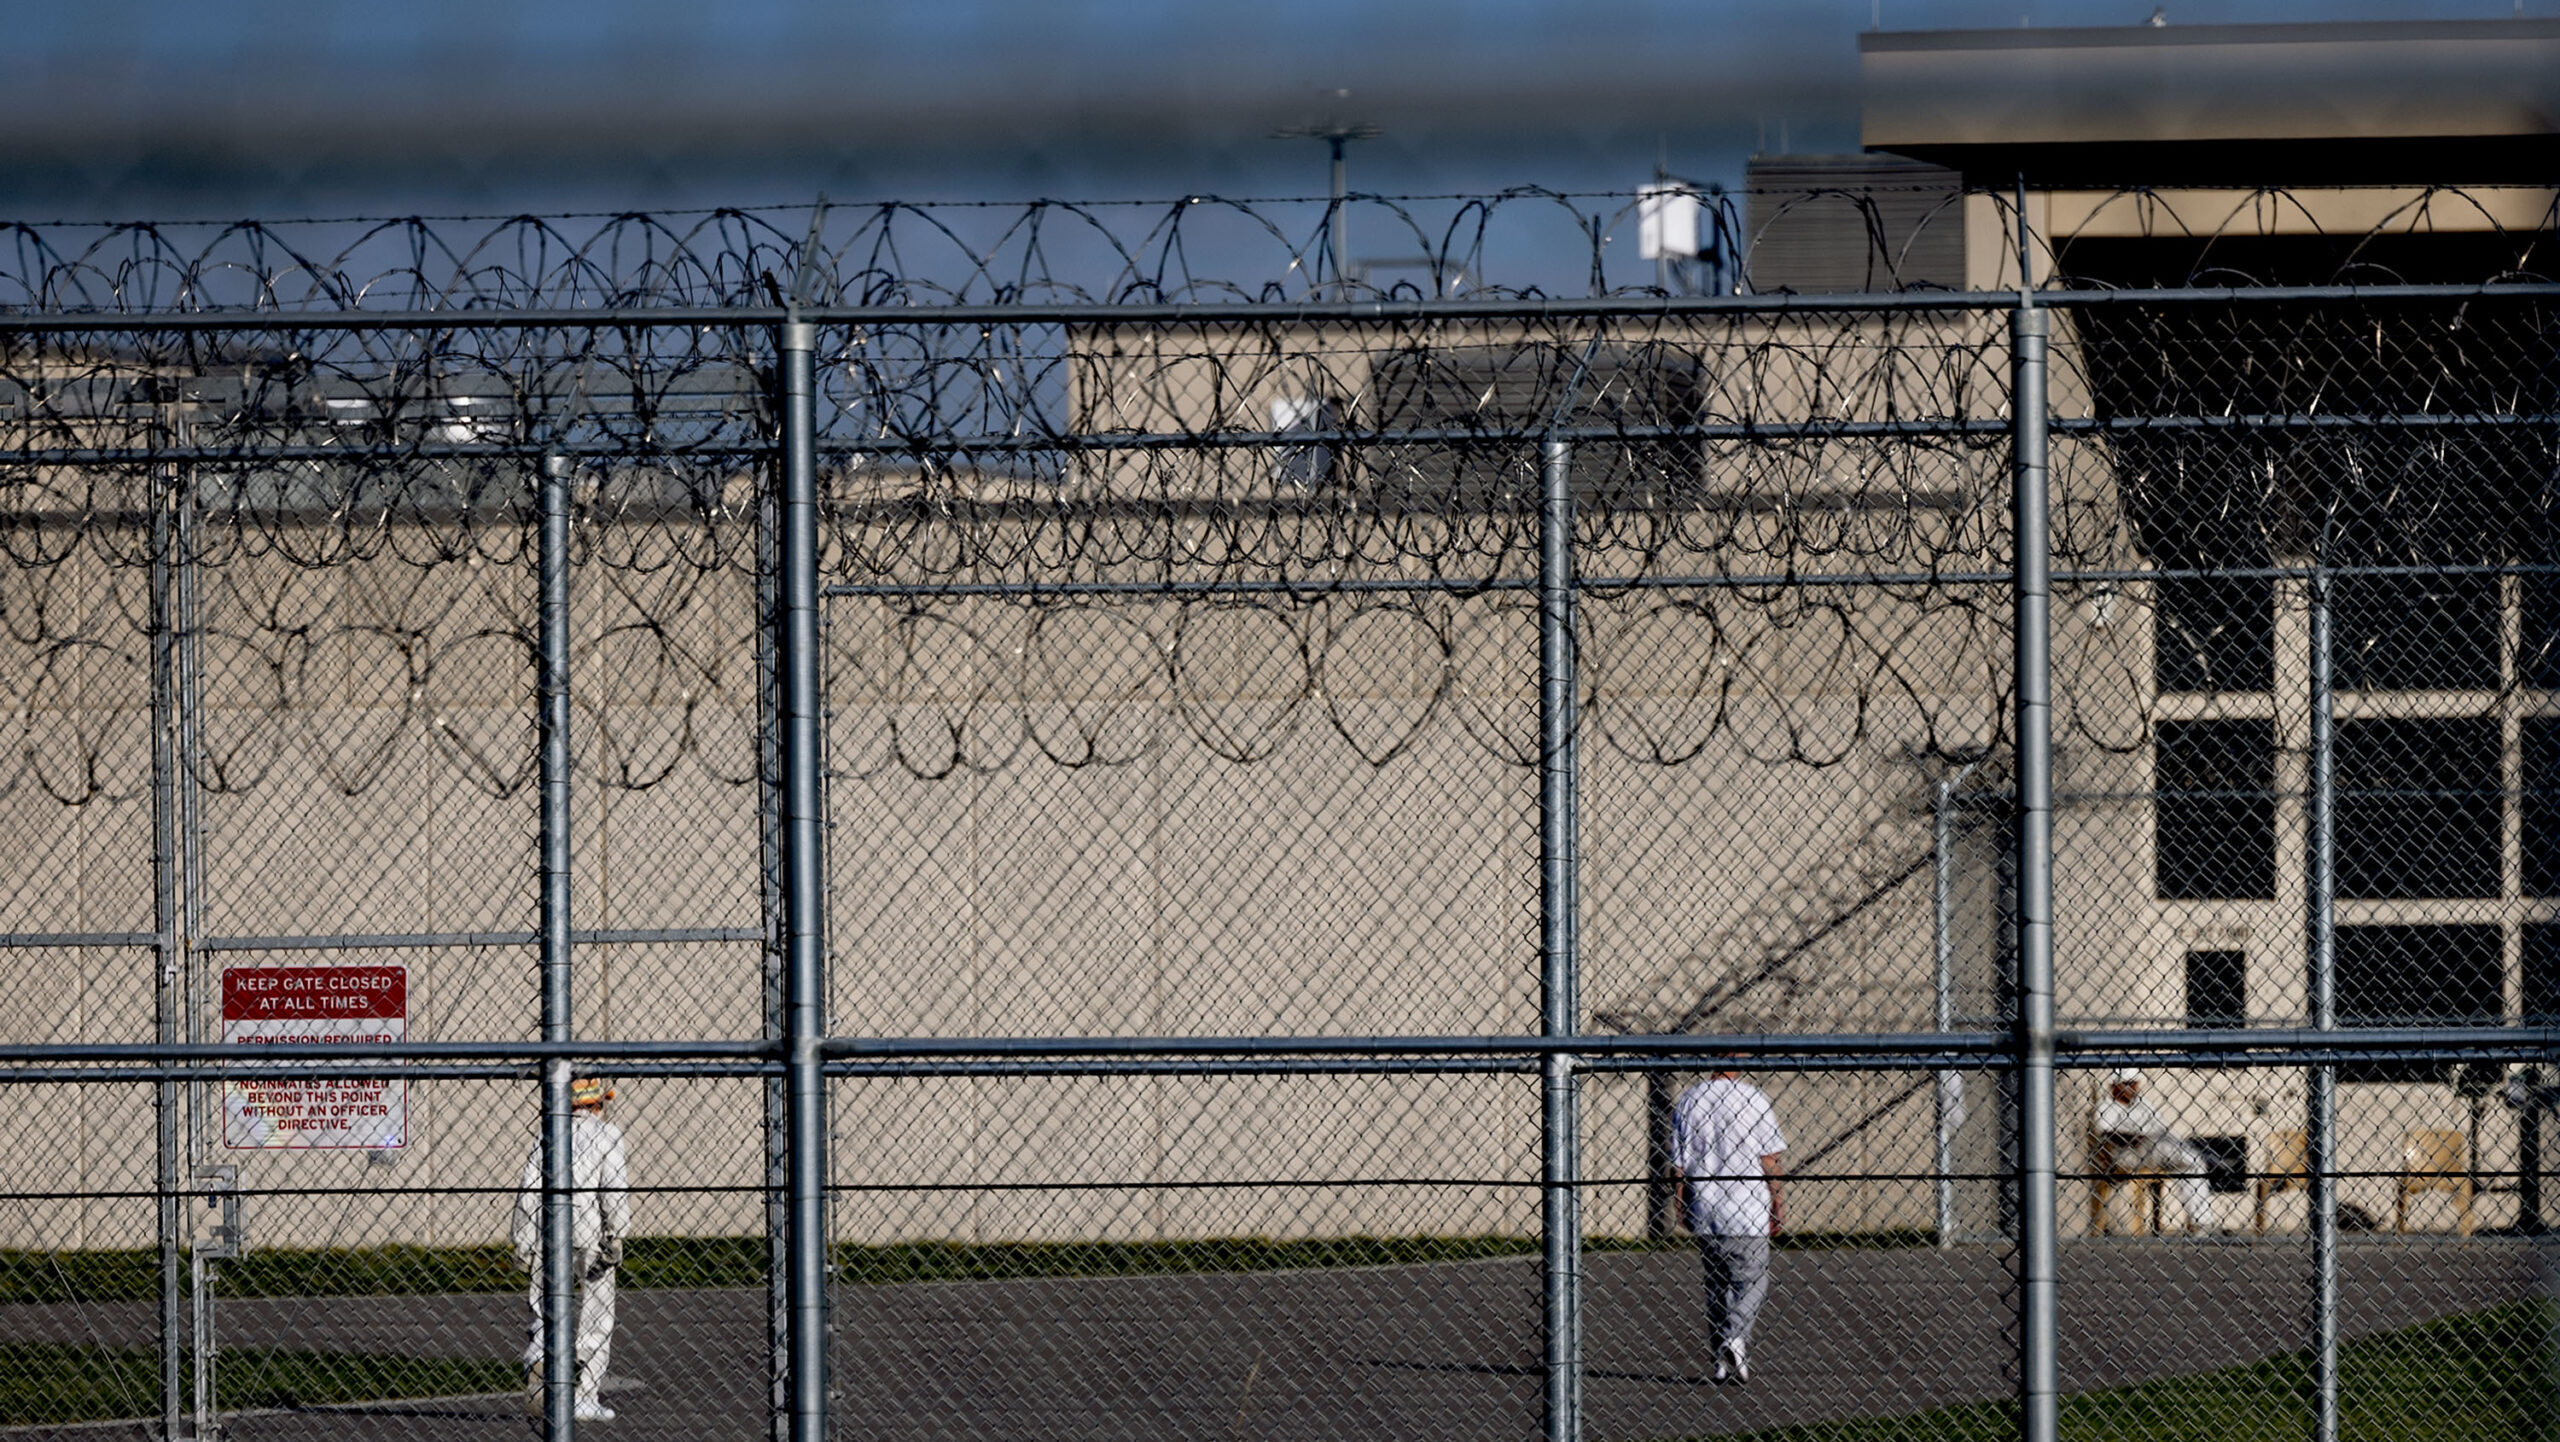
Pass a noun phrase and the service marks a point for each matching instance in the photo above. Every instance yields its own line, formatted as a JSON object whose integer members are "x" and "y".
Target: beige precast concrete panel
{"x": 2178, "y": 213}
{"x": 682, "y": 852}
{"x": 1747, "y": 896}
{"x": 1194, "y": 870}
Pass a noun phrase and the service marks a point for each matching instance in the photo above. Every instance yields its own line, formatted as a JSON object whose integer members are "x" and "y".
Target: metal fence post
{"x": 1559, "y": 1003}
{"x": 168, "y": 970}
{"x": 804, "y": 1023}
{"x": 227, "y": 1236}
{"x": 559, "y": 1279}
{"x": 2037, "y": 1319}
{"x": 2320, "y": 1121}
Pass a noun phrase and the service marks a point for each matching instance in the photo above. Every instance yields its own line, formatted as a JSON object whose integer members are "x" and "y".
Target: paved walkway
{"x": 1424, "y": 1352}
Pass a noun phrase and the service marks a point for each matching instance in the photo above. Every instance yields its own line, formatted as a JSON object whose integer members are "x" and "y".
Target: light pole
{"x": 1338, "y": 134}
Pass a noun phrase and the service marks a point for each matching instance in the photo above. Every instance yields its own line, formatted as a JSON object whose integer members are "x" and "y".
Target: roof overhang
{"x": 2396, "y": 102}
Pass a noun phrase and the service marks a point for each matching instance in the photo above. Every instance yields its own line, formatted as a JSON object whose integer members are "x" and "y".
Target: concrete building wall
{"x": 1247, "y": 816}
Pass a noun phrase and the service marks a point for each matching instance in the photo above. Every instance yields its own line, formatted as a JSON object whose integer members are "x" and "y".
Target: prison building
{"x": 1306, "y": 810}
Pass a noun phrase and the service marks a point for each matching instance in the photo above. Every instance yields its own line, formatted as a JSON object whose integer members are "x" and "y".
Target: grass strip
{"x": 2479, "y": 1377}
{"x": 53, "y": 1382}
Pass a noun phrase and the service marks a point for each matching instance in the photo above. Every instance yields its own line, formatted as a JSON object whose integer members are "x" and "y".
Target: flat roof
{"x": 2425, "y": 102}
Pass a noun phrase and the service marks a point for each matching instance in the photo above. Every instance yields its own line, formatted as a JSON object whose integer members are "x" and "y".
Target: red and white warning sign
{"x": 311, "y": 1005}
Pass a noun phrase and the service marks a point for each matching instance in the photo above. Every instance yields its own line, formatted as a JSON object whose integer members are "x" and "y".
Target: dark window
{"x": 2215, "y": 633}
{"x": 2418, "y": 804}
{"x": 2417, "y": 976}
{"x": 2217, "y": 988}
{"x": 2226, "y": 1162}
{"x": 1491, "y": 402}
{"x": 2215, "y": 821}
{"x": 2542, "y": 974}
{"x": 2414, "y": 633}
{"x": 2539, "y": 740}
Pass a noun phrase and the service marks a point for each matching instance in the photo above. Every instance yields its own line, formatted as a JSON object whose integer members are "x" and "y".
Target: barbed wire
{"x": 1519, "y": 243}
{"x": 1053, "y": 537}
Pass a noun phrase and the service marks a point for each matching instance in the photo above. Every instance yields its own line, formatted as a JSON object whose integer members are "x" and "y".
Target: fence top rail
{"x": 1739, "y": 1045}
{"x": 1675, "y": 1044}
{"x": 1308, "y": 312}
{"x": 1100, "y": 1055}
{"x": 1594, "y": 1043}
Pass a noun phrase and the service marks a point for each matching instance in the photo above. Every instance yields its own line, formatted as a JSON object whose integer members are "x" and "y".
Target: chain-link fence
{"x": 917, "y": 823}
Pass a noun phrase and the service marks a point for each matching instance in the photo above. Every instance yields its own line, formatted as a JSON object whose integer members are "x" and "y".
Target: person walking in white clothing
{"x": 2138, "y": 1139}
{"x": 600, "y": 1212}
{"x": 1727, "y": 1147}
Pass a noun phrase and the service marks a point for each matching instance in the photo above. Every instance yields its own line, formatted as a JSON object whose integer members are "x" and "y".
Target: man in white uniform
{"x": 600, "y": 1212}
{"x": 2137, "y": 1139}
{"x": 1727, "y": 1147}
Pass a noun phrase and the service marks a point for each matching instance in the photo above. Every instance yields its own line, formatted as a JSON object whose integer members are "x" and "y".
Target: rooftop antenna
{"x": 1339, "y": 134}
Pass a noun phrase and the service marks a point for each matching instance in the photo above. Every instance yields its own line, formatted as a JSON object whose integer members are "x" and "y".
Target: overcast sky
{"x": 176, "y": 107}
